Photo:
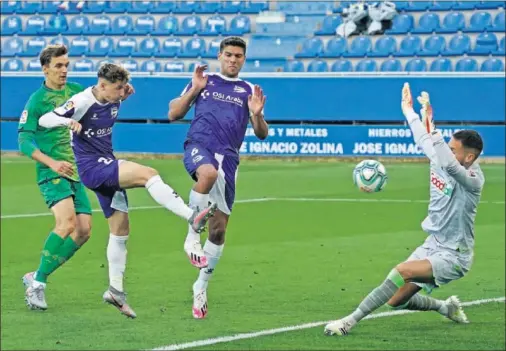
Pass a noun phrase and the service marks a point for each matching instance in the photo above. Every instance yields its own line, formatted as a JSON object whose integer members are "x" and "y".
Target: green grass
{"x": 285, "y": 263}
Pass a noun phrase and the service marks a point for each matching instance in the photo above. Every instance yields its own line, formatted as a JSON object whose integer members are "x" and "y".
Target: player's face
{"x": 231, "y": 59}
{"x": 462, "y": 154}
{"x": 113, "y": 92}
{"x": 56, "y": 71}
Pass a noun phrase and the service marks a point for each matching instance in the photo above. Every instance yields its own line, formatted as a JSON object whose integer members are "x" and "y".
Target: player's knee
{"x": 405, "y": 271}
{"x": 65, "y": 225}
{"x": 84, "y": 232}
{"x": 217, "y": 232}
{"x": 207, "y": 175}
{"x": 149, "y": 173}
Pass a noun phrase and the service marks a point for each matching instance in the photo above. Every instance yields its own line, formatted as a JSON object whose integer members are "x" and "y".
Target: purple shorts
{"x": 101, "y": 174}
{"x": 223, "y": 191}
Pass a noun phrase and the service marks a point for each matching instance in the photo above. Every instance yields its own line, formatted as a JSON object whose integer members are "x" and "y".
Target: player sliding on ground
{"x": 456, "y": 182}
{"x": 91, "y": 115}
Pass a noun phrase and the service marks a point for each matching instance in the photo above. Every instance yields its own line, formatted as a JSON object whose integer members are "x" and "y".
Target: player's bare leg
{"x": 134, "y": 175}
{"x": 213, "y": 249}
{"x": 412, "y": 271}
{"x": 199, "y": 199}
{"x": 116, "y": 256}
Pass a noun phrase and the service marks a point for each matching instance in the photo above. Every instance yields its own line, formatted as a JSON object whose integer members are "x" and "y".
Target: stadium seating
{"x": 172, "y": 36}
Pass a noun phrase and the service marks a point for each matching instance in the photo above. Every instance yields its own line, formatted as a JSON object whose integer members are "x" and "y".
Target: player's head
{"x": 467, "y": 146}
{"x": 55, "y": 62}
{"x": 231, "y": 56}
{"x": 112, "y": 81}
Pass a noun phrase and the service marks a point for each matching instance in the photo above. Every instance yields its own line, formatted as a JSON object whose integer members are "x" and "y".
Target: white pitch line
{"x": 223, "y": 339}
{"x": 263, "y": 199}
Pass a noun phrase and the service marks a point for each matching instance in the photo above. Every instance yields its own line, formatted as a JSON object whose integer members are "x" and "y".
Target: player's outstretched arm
{"x": 179, "y": 107}
{"x": 256, "y": 103}
{"x": 446, "y": 159}
{"x": 68, "y": 114}
{"x": 420, "y": 133}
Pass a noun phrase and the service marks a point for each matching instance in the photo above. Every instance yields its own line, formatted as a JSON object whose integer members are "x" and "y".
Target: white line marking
{"x": 212, "y": 341}
{"x": 263, "y": 199}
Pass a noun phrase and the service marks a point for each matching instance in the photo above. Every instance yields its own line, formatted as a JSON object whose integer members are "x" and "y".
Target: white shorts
{"x": 447, "y": 264}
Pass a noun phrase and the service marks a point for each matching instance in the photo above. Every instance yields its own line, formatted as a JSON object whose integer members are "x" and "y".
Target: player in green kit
{"x": 56, "y": 173}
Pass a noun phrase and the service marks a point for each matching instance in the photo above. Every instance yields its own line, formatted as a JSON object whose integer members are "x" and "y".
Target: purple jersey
{"x": 221, "y": 114}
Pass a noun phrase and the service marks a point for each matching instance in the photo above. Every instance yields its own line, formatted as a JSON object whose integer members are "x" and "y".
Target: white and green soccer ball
{"x": 370, "y": 176}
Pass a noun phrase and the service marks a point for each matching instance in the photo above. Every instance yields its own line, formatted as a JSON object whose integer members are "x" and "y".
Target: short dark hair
{"x": 51, "y": 51}
{"x": 470, "y": 139}
{"x": 113, "y": 73}
{"x": 233, "y": 41}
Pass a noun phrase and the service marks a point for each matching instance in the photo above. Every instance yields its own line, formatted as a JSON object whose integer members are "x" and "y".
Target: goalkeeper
{"x": 456, "y": 182}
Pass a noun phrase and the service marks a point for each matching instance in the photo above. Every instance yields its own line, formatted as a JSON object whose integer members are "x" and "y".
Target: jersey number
{"x": 107, "y": 161}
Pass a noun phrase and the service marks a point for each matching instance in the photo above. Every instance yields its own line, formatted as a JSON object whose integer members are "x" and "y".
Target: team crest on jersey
{"x": 24, "y": 117}
{"x": 441, "y": 184}
{"x": 114, "y": 112}
{"x": 238, "y": 89}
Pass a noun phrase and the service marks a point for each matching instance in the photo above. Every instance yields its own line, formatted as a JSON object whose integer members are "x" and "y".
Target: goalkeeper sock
{"x": 50, "y": 259}
{"x": 379, "y": 296}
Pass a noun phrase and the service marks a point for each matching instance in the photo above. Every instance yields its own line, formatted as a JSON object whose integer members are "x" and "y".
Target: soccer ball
{"x": 370, "y": 176}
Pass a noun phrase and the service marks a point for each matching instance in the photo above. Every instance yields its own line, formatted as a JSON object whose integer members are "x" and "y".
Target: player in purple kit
{"x": 96, "y": 110}
{"x": 224, "y": 104}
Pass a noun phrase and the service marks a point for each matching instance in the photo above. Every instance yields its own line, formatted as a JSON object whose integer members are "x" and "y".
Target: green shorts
{"x": 58, "y": 189}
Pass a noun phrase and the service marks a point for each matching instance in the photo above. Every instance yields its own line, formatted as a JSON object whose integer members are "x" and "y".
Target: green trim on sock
{"x": 396, "y": 278}
{"x": 400, "y": 307}
{"x": 49, "y": 257}
{"x": 68, "y": 249}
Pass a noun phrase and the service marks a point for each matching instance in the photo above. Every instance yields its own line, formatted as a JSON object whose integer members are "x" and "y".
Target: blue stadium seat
{"x": 141, "y": 6}
{"x": 452, "y": 23}
{"x": 366, "y": 65}
{"x": 118, "y": 7}
{"x": 297, "y": 8}
{"x": 478, "y": 22}
{"x": 78, "y": 25}
{"x": 215, "y": 25}
{"x": 434, "y": 45}
{"x": 52, "y": 7}
{"x": 499, "y": 23}
{"x": 79, "y": 46}
{"x": 171, "y": 47}
{"x": 56, "y": 24}
{"x": 33, "y": 47}
{"x": 151, "y": 66}
{"x": 174, "y": 66}
{"x": 13, "y": 65}
{"x": 143, "y": 25}
{"x": 329, "y": 25}
{"x": 60, "y": 40}
{"x": 267, "y": 65}
{"x": 148, "y": 47}
{"x": 186, "y": 7}
{"x": 486, "y": 43}
{"x": 12, "y": 25}
{"x": 9, "y": 7}
{"x": 359, "y": 47}
{"x": 416, "y": 65}
{"x": 192, "y": 65}
{"x": 12, "y": 47}
{"x": 191, "y": 25}
{"x": 410, "y": 46}
{"x": 318, "y": 66}
{"x": 500, "y": 50}
{"x": 490, "y": 5}
{"x": 341, "y": 5}
{"x": 428, "y": 23}
{"x": 419, "y": 5}
{"x": 29, "y": 7}
{"x": 384, "y": 47}
{"x": 232, "y": 7}
{"x": 121, "y": 25}
{"x": 294, "y": 66}
{"x": 101, "y": 62}
{"x": 401, "y": 24}
{"x": 163, "y": 7}
{"x": 239, "y": 25}
{"x": 268, "y": 46}
{"x": 391, "y": 65}
{"x": 34, "y": 65}
{"x": 95, "y": 7}
{"x": 459, "y": 44}
{"x": 99, "y": 25}
{"x": 466, "y": 65}
{"x": 130, "y": 65}
{"x": 208, "y": 7}
{"x": 213, "y": 49}
{"x": 336, "y": 47}
{"x": 312, "y": 47}
{"x": 492, "y": 65}
{"x": 166, "y": 26}
{"x": 342, "y": 66}
{"x": 195, "y": 47}
{"x": 83, "y": 65}
{"x": 254, "y": 7}
{"x": 102, "y": 47}
{"x": 442, "y": 5}
{"x": 124, "y": 47}
{"x": 34, "y": 25}
{"x": 465, "y": 5}
{"x": 441, "y": 65}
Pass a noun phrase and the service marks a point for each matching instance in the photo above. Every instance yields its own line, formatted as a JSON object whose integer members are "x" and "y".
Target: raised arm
{"x": 68, "y": 114}
{"x": 179, "y": 107}
{"x": 256, "y": 103}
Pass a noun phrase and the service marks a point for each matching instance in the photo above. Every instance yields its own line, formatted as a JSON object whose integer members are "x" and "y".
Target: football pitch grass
{"x": 303, "y": 245}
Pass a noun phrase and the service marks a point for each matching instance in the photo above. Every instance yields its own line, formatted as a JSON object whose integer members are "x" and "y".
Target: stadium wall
{"x": 317, "y": 116}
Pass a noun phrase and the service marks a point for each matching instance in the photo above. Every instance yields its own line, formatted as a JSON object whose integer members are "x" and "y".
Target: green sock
{"x": 49, "y": 259}
{"x": 68, "y": 249}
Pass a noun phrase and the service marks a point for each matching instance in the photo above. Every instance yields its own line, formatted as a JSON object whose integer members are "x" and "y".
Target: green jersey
{"x": 54, "y": 142}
